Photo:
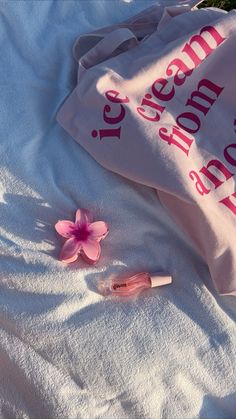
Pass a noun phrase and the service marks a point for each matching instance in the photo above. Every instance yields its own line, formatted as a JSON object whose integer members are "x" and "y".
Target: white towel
{"x": 65, "y": 351}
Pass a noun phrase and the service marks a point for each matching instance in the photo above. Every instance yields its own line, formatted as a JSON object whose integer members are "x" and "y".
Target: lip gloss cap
{"x": 158, "y": 280}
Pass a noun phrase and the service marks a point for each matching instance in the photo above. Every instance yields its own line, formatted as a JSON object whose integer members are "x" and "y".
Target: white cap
{"x": 159, "y": 279}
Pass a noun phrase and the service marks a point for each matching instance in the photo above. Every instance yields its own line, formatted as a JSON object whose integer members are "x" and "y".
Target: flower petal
{"x": 65, "y": 228}
{"x": 70, "y": 250}
{"x": 83, "y": 216}
{"x": 99, "y": 230}
{"x": 91, "y": 251}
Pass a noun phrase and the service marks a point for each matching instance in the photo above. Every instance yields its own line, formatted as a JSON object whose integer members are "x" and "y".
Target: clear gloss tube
{"x": 133, "y": 284}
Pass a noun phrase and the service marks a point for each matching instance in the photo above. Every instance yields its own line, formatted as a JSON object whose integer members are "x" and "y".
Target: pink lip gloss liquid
{"x": 132, "y": 285}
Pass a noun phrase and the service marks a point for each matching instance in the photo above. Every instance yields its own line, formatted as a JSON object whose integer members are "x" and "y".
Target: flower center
{"x": 81, "y": 233}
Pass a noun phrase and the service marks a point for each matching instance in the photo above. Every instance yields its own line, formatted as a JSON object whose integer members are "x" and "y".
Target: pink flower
{"x": 82, "y": 236}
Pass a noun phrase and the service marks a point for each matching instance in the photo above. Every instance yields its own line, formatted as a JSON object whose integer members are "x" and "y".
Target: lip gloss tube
{"x": 133, "y": 285}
